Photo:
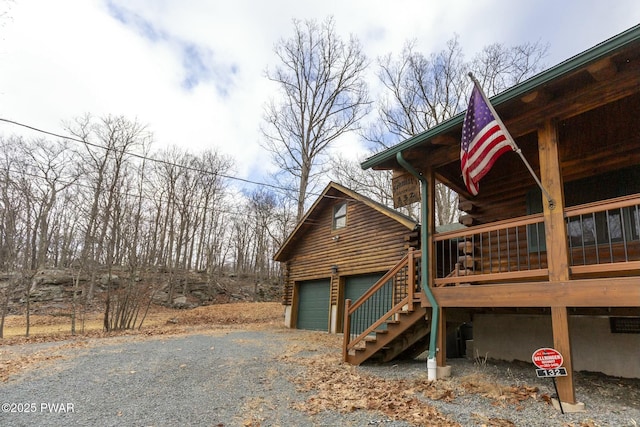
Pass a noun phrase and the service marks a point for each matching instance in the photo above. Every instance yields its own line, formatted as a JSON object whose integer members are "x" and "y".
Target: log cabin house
{"x": 527, "y": 274}
{"x": 343, "y": 244}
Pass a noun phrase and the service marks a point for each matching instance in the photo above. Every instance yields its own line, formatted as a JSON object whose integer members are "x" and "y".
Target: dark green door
{"x": 313, "y": 305}
{"x": 355, "y": 287}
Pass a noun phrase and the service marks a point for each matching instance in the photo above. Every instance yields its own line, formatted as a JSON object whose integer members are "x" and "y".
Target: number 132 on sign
{"x": 548, "y": 373}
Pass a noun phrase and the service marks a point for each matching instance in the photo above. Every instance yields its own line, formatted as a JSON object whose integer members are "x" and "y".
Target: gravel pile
{"x": 238, "y": 378}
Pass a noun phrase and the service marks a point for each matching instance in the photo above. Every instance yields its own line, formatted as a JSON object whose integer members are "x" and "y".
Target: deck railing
{"x": 505, "y": 250}
{"x": 393, "y": 293}
{"x": 603, "y": 239}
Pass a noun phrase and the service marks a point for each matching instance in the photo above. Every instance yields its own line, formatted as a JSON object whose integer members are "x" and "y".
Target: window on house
{"x": 599, "y": 227}
{"x": 340, "y": 216}
{"x": 596, "y": 228}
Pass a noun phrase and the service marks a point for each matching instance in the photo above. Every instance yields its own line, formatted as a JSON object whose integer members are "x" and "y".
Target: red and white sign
{"x": 547, "y": 358}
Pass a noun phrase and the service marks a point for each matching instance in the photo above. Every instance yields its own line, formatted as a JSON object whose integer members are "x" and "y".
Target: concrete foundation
{"x": 594, "y": 348}
{"x": 334, "y": 319}
{"x": 443, "y": 372}
{"x": 568, "y": 408}
{"x": 287, "y": 316}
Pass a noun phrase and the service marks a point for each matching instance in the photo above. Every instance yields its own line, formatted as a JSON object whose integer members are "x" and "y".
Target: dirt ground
{"x": 159, "y": 320}
{"x": 323, "y": 369}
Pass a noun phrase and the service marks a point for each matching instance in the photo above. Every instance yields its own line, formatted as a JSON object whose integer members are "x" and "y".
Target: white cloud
{"x": 194, "y": 70}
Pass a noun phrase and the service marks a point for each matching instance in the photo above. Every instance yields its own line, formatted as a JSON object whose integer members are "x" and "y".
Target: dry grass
{"x": 159, "y": 320}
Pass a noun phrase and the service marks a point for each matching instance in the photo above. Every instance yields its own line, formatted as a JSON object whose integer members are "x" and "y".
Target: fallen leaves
{"x": 18, "y": 364}
{"x": 499, "y": 393}
{"x": 492, "y": 421}
{"x": 341, "y": 387}
{"x": 336, "y": 386}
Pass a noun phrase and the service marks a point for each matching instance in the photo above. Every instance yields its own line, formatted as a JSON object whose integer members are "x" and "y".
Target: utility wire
{"x": 164, "y": 162}
{"x": 140, "y": 156}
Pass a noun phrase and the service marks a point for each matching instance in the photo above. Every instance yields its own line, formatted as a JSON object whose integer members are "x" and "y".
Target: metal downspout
{"x": 424, "y": 234}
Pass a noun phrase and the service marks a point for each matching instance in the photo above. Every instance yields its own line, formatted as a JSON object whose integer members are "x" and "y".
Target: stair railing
{"x": 393, "y": 293}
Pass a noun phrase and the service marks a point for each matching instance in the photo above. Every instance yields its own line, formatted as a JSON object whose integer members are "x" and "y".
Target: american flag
{"x": 483, "y": 141}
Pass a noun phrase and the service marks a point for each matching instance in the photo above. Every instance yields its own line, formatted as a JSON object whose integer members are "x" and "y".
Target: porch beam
{"x": 606, "y": 292}
{"x": 618, "y": 86}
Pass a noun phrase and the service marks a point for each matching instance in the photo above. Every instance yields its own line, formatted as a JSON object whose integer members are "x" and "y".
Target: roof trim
{"x": 406, "y": 221}
{"x": 598, "y": 51}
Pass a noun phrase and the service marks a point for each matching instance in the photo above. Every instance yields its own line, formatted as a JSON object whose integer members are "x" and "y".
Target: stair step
{"x": 406, "y": 312}
{"x": 386, "y": 344}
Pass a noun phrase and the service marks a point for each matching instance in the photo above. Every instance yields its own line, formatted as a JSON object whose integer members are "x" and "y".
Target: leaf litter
{"x": 337, "y": 386}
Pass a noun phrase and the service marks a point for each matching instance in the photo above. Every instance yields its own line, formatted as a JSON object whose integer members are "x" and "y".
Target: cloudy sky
{"x": 193, "y": 70}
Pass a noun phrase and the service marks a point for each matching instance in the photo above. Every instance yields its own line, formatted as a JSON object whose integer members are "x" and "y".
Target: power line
{"x": 160, "y": 161}
{"x": 143, "y": 157}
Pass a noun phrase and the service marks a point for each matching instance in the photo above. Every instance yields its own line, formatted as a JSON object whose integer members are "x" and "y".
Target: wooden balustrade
{"x": 395, "y": 292}
{"x": 604, "y": 239}
{"x": 507, "y": 251}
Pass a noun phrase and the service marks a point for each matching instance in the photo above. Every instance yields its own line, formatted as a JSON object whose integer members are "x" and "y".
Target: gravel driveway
{"x": 222, "y": 379}
{"x": 227, "y": 378}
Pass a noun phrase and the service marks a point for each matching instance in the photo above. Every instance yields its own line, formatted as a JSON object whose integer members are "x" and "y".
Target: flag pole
{"x": 512, "y": 142}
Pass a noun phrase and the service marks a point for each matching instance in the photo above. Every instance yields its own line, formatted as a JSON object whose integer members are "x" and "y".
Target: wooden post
{"x": 441, "y": 355}
{"x": 431, "y": 223}
{"x": 557, "y": 251}
{"x": 561, "y": 342}
{"x": 346, "y": 329}
{"x": 555, "y": 229}
{"x": 411, "y": 273}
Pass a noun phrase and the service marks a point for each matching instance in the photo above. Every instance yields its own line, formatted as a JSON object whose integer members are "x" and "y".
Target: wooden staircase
{"x": 390, "y": 318}
{"x": 400, "y": 335}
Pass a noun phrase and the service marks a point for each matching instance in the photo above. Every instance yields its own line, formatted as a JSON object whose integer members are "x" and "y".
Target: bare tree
{"x": 5, "y": 7}
{"x": 4, "y": 306}
{"x": 371, "y": 183}
{"x": 261, "y": 208}
{"x": 108, "y": 143}
{"x": 422, "y": 92}
{"x": 499, "y": 67}
{"x": 54, "y": 171}
{"x": 324, "y": 96}
{"x": 12, "y": 205}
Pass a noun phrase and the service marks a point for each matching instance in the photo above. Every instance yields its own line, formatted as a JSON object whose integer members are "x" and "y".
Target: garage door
{"x": 355, "y": 287}
{"x": 313, "y": 305}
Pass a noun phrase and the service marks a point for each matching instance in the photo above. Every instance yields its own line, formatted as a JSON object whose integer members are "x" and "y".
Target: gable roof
{"x": 624, "y": 40}
{"x": 332, "y": 191}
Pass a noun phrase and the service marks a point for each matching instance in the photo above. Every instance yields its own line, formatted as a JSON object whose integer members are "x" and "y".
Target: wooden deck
{"x": 503, "y": 265}
{"x": 606, "y": 244}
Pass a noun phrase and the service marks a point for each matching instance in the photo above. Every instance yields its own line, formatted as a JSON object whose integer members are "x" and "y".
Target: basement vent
{"x": 625, "y": 325}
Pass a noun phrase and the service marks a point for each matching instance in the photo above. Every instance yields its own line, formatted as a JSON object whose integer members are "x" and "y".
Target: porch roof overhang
{"x": 515, "y": 103}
